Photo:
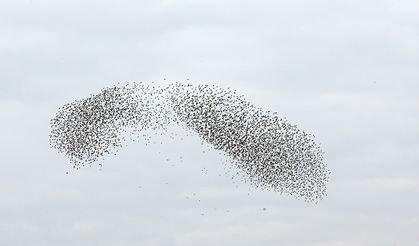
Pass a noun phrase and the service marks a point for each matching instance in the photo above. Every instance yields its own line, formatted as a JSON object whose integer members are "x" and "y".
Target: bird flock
{"x": 270, "y": 152}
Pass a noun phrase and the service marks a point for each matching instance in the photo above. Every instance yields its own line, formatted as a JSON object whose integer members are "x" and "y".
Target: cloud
{"x": 345, "y": 71}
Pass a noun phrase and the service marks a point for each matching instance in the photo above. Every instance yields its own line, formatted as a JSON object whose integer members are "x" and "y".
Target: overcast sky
{"x": 346, "y": 71}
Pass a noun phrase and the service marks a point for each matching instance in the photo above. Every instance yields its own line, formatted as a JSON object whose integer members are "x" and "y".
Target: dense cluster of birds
{"x": 269, "y": 151}
{"x": 85, "y": 130}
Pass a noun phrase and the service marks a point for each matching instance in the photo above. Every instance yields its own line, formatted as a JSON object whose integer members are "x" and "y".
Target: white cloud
{"x": 345, "y": 71}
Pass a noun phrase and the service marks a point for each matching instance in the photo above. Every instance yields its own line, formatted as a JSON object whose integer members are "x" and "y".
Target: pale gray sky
{"x": 346, "y": 71}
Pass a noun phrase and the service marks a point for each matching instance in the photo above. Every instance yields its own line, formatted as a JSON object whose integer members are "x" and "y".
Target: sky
{"x": 346, "y": 71}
